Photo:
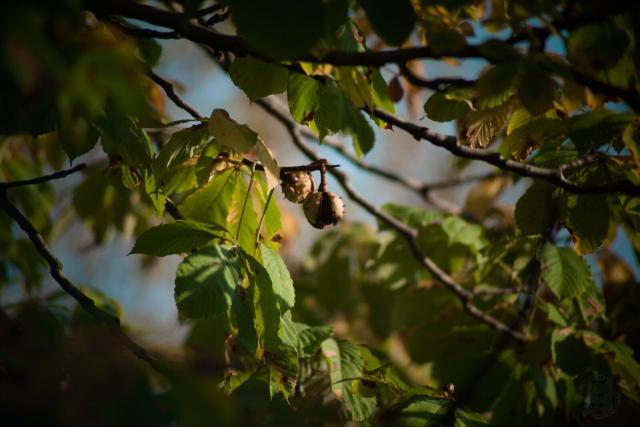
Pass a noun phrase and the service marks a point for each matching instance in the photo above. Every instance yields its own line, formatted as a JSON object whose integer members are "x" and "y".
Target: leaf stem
{"x": 264, "y": 213}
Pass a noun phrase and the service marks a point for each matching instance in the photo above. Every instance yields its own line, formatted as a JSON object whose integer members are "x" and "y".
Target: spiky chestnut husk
{"x": 297, "y": 186}
{"x": 323, "y": 209}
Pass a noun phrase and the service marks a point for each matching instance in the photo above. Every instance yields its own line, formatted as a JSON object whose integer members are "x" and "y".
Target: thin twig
{"x": 55, "y": 269}
{"x": 408, "y": 233}
{"x": 41, "y": 179}
{"x": 433, "y": 84}
{"x": 264, "y": 213}
{"x": 172, "y": 95}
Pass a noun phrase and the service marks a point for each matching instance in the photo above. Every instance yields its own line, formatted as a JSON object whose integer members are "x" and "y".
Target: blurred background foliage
{"x": 255, "y": 317}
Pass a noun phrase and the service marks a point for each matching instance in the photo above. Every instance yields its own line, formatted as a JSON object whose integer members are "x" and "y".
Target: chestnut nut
{"x": 323, "y": 209}
{"x": 297, "y": 186}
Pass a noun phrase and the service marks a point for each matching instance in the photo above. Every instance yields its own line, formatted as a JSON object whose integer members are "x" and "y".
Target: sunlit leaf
{"x": 228, "y": 133}
{"x": 175, "y": 237}
{"x": 345, "y": 363}
{"x": 206, "y": 282}
{"x": 566, "y": 274}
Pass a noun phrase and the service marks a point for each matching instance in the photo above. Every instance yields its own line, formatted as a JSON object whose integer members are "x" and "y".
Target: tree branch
{"x": 554, "y": 176}
{"x": 55, "y": 269}
{"x": 171, "y": 94}
{"x": 409, "y": 234}
{"x": 42, "y": 179}
{"x": 434, "y": 84}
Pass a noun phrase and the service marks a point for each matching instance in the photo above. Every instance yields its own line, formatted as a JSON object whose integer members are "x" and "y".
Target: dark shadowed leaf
{"x": 392, "y": 21}
{"x": 535, "y": 210}
{"x": 258, "y": 78}
{"x": 536, "y": 89}
{"x": 588, "y": 218}
{"x": 281, "y": 29}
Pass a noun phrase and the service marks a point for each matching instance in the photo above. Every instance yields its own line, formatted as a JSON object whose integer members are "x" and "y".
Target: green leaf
{"x": 622, "y": 362}
{"x": 150, "y": 50}
{"x": 541, "y": 130}
{"x": 497, "y": 84}
{"x": 470, "y": 419}
{"x": 180, "y": 178}
{"x": 588, "y": 217}
{"x": 76, "y": 142}
{"x": 281, "y": 29}
{"x": 265, "y": 306}
{"x": 535, "y": 210}
{"x": 536, "y": 90}
{"x": 597, "y": 46}
{"x": 258, "y": 78}
{"x": 355, "y": 86}
{"x": 206, "y": 282}
{"x": 280, "y": 277}
{"x": 595, "y": 128}
{"x": 122, "y": 135}
{"x": 175, "y": 238}
{"x": 228, "y": 133}
{"x": 302, "y": 95}
{"x": 423, "y": 411}
{"x": 212, "y": 202}
{"x": 271, "y": 223}
{"x": 569, "y": 352}
{"x": 381, "y": 92}
{"x": 310, "y": 338}
{"x": 412, "y": 216}
{"x": 440, "y": 108}
{"x": 460, "y": 231}
{"x": 444, "y": 40}
{"x": 345, "y": 363}
{"x": 154, "y": 190}
{"x": 337, "y": 113}
{"x": 566, "y": 274}
{"x": 243, "y": 221}
{"x": 271, "y": 168}
{"x": 307, "y": 340}
{"x": 392, "y": 21}
{"x": 181, "y": 147}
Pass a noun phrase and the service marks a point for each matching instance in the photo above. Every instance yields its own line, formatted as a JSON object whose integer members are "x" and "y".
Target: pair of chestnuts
{"x": 322, "y": 208}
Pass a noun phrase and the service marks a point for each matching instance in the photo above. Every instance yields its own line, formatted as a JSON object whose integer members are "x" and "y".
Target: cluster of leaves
{"x": 267, "y": 343}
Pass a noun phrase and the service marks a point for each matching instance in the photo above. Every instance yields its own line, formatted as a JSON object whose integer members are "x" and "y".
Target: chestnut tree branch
{"x": 42, "y": 179}
{"x": 169, "y": 90}
{"x": 554, "y": 176}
